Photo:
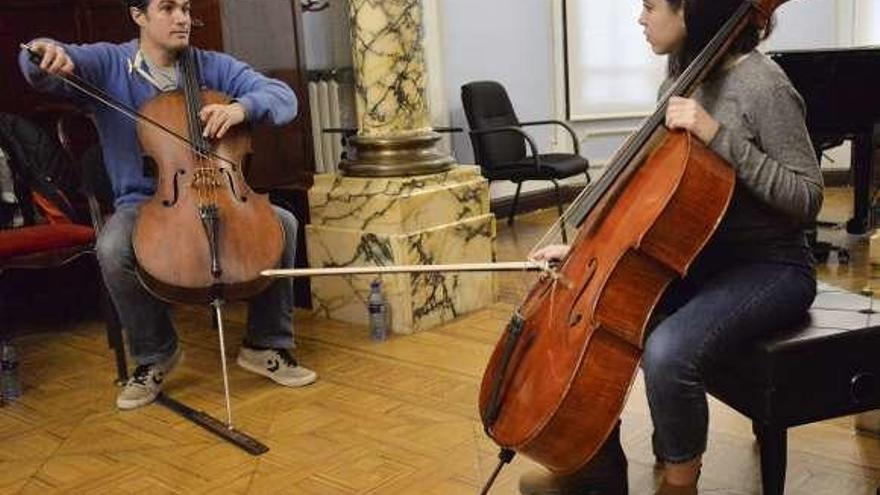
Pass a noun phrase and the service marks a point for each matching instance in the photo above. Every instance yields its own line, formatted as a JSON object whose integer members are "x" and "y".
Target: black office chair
{"x": 499, "y": 142}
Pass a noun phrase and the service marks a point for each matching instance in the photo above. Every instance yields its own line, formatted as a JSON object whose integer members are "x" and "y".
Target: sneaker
{"x": 277, "y": 364}
{"x": 145, "y": 384}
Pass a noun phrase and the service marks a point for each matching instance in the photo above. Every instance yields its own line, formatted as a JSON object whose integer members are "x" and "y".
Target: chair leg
{"x": 114, "y": 336}
{"x": 559, "y": 209}
{"x": 515, "y": 201}
{"x": 773, "y": 441}
{"x": 5, "y": 318}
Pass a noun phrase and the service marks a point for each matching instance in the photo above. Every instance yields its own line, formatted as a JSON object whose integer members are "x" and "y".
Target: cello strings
{"x": 195, "y": 127}
{"x": 206, "y": 171}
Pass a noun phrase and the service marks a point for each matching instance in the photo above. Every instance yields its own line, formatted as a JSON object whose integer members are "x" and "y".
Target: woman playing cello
{"x": 756, "y": 274}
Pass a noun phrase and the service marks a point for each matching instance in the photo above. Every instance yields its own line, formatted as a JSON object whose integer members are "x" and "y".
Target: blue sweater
{"x": 106, "y": 65}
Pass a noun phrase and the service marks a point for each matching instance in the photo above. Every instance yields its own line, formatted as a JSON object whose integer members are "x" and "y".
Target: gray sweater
{"x": 763, "y": 136}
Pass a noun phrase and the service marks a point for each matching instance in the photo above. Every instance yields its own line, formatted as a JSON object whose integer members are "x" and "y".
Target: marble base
{"x": 428, "y": 219}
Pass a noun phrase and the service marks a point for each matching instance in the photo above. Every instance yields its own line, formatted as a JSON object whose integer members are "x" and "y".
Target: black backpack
{"x": 45, "y": 182}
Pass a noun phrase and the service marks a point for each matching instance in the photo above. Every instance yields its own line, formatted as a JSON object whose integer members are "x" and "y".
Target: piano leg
{"x": 862, "y": 154}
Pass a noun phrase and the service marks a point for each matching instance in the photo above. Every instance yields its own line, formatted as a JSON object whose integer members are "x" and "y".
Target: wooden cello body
{"x": 581, "y": 342}
{"x": 204, "y": 234}
{"x": 558, "y": 379}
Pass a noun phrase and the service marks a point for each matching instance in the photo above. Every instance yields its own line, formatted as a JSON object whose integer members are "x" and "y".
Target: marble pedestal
{"x": 426, "y": 219}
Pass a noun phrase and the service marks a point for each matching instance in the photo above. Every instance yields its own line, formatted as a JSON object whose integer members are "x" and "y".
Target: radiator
{"x": 324, "y": 105}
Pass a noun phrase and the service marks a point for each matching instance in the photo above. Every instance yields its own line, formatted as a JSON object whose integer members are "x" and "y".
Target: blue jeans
{"x": 712, "y": 314}
{"x": 151, "y": 336}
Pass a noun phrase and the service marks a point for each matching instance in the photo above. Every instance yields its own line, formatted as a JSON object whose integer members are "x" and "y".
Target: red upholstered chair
{"x": 36, "y": 155}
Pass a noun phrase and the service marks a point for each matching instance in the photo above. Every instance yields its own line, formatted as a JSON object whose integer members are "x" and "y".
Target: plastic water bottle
{"x": 11, "y": 388}
{"x": 378, "y": 312}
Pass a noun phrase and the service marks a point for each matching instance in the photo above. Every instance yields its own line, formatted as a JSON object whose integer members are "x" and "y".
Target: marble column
{"x": 398, "y": 200}
{"x": 394, "y": 127}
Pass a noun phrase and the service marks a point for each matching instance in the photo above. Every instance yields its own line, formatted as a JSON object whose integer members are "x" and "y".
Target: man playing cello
{"x": 133, "y": 73}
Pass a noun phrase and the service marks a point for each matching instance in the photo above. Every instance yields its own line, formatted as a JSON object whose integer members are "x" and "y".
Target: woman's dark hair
{"x": 703, "y": 19}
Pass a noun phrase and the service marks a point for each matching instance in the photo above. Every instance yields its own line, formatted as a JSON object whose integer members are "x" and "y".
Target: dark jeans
{"x": 712, "y": 313}
{"x": 151, "y": 336}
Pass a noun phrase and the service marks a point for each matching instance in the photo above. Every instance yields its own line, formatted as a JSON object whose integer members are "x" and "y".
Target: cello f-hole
{"x": 173, "y": 201}
{"x": 241, "y": 197}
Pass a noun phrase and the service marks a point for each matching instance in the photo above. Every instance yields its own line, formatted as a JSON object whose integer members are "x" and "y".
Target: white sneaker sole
{"x": 129, "y": 404}
{"x": 299, "y": 382}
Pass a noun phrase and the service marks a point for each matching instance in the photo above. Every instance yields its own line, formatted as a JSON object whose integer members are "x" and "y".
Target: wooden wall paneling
{"x": 20, "y": 22}
{"x": 104, "y": 20}
{"x": 209, "y": 35}
{"x": 268, "y": 36}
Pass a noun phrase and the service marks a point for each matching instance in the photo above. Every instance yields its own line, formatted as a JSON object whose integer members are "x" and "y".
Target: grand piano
{"x": 841, "y": 88}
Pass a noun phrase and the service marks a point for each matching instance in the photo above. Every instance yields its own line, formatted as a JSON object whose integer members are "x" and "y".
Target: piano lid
{"x": 852, "y": 50}
{"x": 839, "y": 86}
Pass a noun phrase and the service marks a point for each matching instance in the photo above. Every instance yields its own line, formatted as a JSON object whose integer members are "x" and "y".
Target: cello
{"x": 202, "y": 203}
{"x": 558, "y": 378}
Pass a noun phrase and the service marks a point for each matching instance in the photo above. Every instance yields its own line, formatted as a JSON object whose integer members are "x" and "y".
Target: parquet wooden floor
{"x": 391, "y": 418}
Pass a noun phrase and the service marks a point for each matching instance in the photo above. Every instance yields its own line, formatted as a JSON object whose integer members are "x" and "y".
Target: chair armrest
{"x": 448, "y": 130}
{"x": 63, "y": 122}
{"x": 494, "y": 130}
{"x": 574, "y": 140}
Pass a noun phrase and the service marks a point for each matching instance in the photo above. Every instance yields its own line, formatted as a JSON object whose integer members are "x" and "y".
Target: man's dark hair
{"x": 138, "y": 4}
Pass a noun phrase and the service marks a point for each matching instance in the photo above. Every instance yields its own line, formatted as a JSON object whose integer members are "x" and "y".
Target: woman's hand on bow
{"x": 553, "y": 252}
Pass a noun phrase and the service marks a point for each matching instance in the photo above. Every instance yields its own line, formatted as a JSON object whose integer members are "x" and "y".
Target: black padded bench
{"x": 827, "y": 367}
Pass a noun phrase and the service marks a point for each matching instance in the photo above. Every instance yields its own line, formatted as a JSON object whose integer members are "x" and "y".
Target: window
{"x": 867, "y": 23}
{"x": 610, "y": 69}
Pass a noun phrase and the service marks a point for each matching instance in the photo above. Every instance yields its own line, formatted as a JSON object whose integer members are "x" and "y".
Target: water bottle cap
{"x": 375, "y": 283}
